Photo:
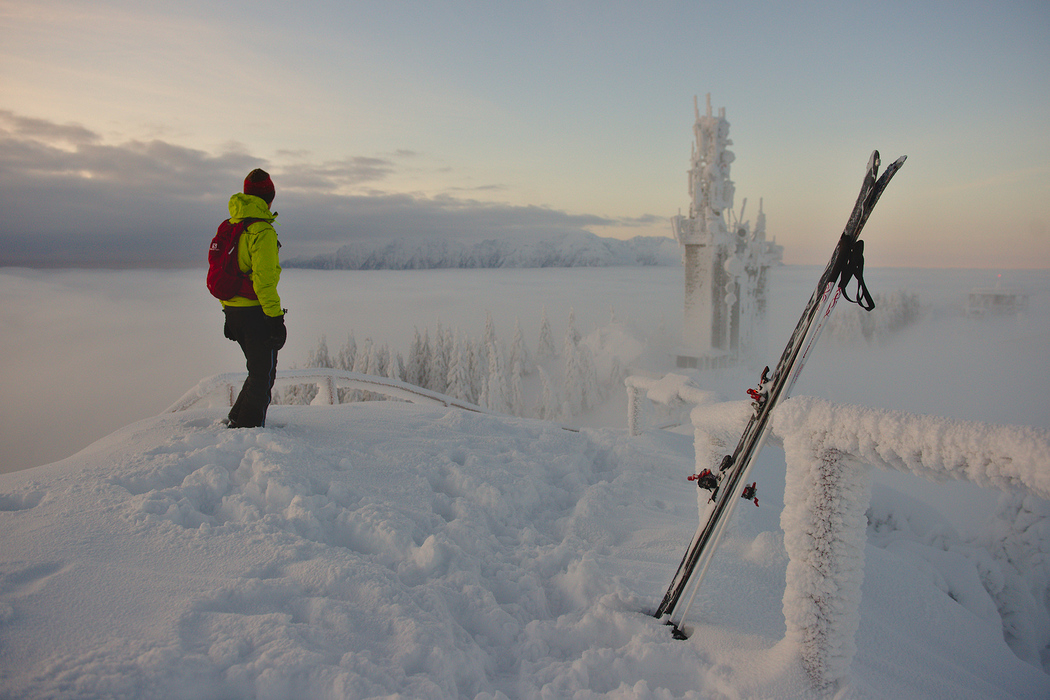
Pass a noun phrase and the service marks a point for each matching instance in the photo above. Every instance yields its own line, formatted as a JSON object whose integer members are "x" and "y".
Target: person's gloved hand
{"x": 278, "y": 331}
{"x": 227, "y": 329}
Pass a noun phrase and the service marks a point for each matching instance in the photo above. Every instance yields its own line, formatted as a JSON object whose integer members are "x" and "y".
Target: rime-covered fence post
{"x": 671, "y": 390}
{"x": 829, "y": 448}
{"x": 326, "y": 392}
{"x": 633, "y": 408}
{"x": 824, "y": 522}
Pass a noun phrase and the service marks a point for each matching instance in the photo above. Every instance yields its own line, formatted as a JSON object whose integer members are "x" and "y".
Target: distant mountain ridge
{"x": 578, "y": 249}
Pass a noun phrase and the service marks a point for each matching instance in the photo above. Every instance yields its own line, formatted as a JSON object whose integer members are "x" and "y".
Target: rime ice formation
{"x": 725, "y": 260}
{"x": 828, "y": 448}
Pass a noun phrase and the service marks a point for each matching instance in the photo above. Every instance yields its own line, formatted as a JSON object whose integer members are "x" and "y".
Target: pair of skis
{"x": 724, "y": 484}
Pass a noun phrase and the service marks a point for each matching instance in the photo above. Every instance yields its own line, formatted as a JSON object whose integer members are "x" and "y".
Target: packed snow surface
{"x": 386, "y": 549}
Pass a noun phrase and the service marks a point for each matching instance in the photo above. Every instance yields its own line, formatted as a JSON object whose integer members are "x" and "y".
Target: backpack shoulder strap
{"x": 246, "y": 222}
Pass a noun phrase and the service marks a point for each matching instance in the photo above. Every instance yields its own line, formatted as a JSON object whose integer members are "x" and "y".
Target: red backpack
{"x": 225, "y": 279}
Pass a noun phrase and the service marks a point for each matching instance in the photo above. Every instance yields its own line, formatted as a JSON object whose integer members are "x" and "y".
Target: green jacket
{"x": 257, "y": 253}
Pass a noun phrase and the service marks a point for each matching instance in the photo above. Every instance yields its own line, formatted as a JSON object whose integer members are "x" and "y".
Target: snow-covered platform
{"x": 388, "y": 548}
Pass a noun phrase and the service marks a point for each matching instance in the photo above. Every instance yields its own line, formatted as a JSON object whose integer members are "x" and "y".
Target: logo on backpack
{"x": 225, "y": 279}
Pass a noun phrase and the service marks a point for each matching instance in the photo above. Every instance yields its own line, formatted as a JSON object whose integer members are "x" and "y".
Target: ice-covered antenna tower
{"x": 725, "y": 261}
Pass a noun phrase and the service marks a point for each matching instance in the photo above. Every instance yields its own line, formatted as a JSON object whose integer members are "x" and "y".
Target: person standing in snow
{"x": 257, "y": 325}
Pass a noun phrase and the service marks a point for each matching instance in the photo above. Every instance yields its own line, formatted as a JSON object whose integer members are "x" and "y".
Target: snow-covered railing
{"x": 671, "y": 391}
{"x": 222, "y": 389}
{"x": 830, "y": 449}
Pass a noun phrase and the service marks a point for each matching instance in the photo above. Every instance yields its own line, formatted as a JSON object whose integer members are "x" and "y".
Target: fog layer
{"x": 87, "y": 352}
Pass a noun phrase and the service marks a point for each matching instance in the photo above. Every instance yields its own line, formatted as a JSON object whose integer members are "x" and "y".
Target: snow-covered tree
{"x": 448, "y": 344}
{"x": 458, "y": 379}
{"x": 483, "y": 371}
{"x": 379, "y": 369}
{"x": 478, "y": 370}
{"x": 572, "y": 332}
{"x": 437, "y": 368}
{"x": 516, "y": 400}
{"x": 519, "y": 353}
{"x": 414, "y": 370}
{"x": 361, "y": 367}
{"x": 490, "y": 329}
{"x": 425, "y": 360}
{"x": 345, "y": 359}
{"x": 497, "y": 394}
{"x": 549, "y": 406}
{"x": 450, "y": 341}
{"x": 573, "y": 380}
{"x": 396, "y": 369}
{"x": 320, "y": 357}
{"x": 361, "y": 360}
{"x": 483, "y": 394}
{"x": 545, "y": 350}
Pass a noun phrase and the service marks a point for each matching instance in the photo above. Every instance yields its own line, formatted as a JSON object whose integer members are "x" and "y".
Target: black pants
{"x": 249, "y": 327}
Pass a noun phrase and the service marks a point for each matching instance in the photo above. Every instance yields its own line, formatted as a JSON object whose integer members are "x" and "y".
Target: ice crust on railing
{"x": 830, "y": 449}
{"x": 934, "y": 447}
{"x": 221, "y": 389}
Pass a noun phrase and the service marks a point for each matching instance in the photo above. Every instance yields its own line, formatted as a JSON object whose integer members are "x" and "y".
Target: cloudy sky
{"x": 126, "y": 124}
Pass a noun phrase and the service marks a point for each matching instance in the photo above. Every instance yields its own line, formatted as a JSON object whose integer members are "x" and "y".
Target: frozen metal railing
{"x": 830, "y": 450}
{"x": 670, "y": 391}
{"x": 221, "y": 389}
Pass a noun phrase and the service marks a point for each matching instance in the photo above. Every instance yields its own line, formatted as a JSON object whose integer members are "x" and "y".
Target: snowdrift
{"x": 383, "y": 548}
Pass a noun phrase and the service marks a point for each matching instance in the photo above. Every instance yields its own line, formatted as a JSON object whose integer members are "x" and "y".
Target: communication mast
{"x": 725, "y": 261}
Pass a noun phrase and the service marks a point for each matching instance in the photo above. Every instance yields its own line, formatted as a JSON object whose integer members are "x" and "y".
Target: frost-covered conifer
{"x": 490, "y": 329}
{"x": 396, "y": 369}
{"x": 414, "y": 370}
{"x": 458, "y": 381}
{"x": 478, "y": 371}
{"x": 448, "y": 346}
{"x": 449, "y": 343}
{"x": 516, "y": 400}
{"x": 320, "y": 356}
{"x": 361, "y": 361}
{"x": 425, "y": 360}
{"x": 519, "y": 353}
{"x": 497, "y": 393}
{"x": 575, "y": 334}
{"x": 483, "y": 393}
{"x": 381, "y": 368}
{"x": 548, "y": 408}
{"x": 573, "y": 381}
{"x": 345, "y": 359}
{"x": 545, "y": 350}
{"x": 361, "y": 367}
{"x": 437, "y": 373}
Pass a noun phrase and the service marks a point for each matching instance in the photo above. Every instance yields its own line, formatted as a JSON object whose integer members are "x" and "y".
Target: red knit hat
{"x": 259, "y": 184}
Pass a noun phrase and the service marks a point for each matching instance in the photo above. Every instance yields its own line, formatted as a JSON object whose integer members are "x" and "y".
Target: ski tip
{"x": 900, "y": 161}
{"x": 873, "y": 162}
